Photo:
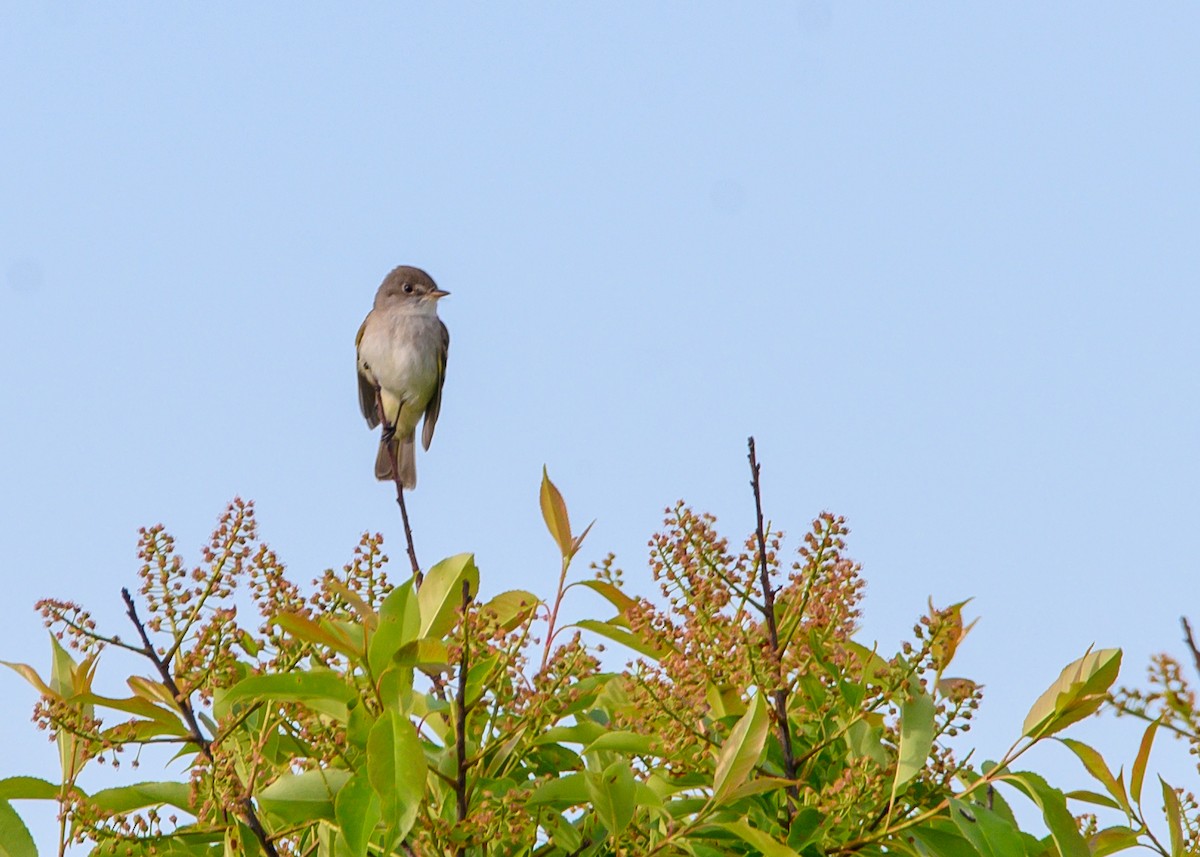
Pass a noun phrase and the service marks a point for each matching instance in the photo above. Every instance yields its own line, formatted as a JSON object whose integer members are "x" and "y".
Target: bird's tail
{"x": 406, "y": 461}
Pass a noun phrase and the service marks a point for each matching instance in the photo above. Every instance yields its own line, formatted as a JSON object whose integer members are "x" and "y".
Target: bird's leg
{"x": 389, "y": 430}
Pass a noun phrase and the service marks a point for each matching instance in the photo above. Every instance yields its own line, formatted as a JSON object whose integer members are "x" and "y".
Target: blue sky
{"x": 941, "y": 260}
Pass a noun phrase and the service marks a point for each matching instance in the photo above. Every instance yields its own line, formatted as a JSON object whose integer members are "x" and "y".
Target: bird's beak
{"x": 438, "y": 293}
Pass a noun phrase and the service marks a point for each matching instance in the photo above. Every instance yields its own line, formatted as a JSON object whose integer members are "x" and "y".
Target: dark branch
{"x": 245, "y": 805}
{"x": 460, "y": 720}
{"x": 1190, "y": 639}
{"x": 780, "y": 694}
{"x": 418, "y": 577}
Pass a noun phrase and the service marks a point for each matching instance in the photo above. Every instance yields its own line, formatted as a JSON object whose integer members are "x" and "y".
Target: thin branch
{"x": 780, "y": 694}
{"x": 460, "y": 720}
{"x": 245, "y": 805}
{"x": 388, "y": 431}
{"x": 418, "y": 577}
{"x": 1190, "y": 639}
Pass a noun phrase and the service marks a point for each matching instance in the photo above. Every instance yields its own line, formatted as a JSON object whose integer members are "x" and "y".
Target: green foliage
{"x": 1168, "y": 704}
{"x": 369, "y": 718}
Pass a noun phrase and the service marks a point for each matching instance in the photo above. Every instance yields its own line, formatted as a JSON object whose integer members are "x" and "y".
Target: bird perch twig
{"x": 389, "y": 432}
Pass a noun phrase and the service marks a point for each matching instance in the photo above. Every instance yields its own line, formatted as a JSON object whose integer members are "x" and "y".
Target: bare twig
{"x": 388, "y": 430}
{"x": 780, "y": 694}
{"x": 1190, "y": 639}
{"x": 460, "y": 720}
{"x": 418, "y": 577}
{"x": 245, "y": 805}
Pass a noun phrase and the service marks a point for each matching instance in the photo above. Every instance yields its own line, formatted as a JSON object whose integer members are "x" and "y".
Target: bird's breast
{"x": 400, "y": 353}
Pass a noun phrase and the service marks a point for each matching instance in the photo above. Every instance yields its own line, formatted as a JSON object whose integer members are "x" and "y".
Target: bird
{"x": 401, "y": 356}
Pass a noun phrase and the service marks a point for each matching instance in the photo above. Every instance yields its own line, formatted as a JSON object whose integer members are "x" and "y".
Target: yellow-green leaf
{"x": 15, "y": 840}
{"x": 304, "y": 797}
{"x": 554, "y": 512}
{"x": 1138, "y": 774}
{"x": 358, "y": 811}
{"x": 440, "y": 595}
{"x": 1098, "y": 768}
{"x": 741, "y": 750}
{"x": 1174, "y": 818}
{"x": 396, "y": 768}
{"x": 763, "y": 842}
{"x": 1079, "y": 690}
{"x": 916, "y": 737}
{"x": 399, "y": 623}
{"x": 512, "y": 608}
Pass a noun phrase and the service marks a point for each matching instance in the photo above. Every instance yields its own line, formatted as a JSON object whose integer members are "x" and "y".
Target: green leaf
{"x": 399, "y": 623}
{"x": 916, "y": 737}
{"x": 1138, "y": 774}
{"x": 764, "y": 843}
{"x": 620, "y": 635}
{"x": 322, "y": 690}
{"x": 562, "y": 833}
{"x": 562, "y": 792}
{"x": 757, "y": 785}
{"x": 425, "y": 653}
{"x": 397, "y": 769}
{"x": 991, "y": 835}
{"x": 139, "y": 705}
{"x": 554, "y": 512}
{"x": 863, "y": 739}
{"x": 367, "y": 617}
{"x": 30, "y": 675}
{"x": 62, "y": 670}
{"x": 1174, "y": 817}
{"x": 611, "y": 592}
{"x": 15, "y": 840}
{"x": 303, "y": 797}
{"x": 180, "y": 844}
{"x": 941, "y": 842}
{"x": 358, "y": 811}
{"x": 1096, "y": 798}
{"x": 1098, "y": 768}
{"x": 317, "y": 633}
{"x": 139, "y": 795}
{"x": 240, "y": 841}
{"x": 440, "y": 594}
{"x": 584, "y": 733}
{"x": 629, "y": 743}
{"x": 512, "y": 608}
{"x": 613, "y": 796}
{"x": 741, "y": 750}
{"x": 1053, "y": 804}
{"x": 1079, "y": 690}
{"x": 874, "y": 667}
{"x": 152, "y": 691}
{"x": 806, "y": 828}
{"x": 27, "y": 788}
{"x": 1111, "y": 840}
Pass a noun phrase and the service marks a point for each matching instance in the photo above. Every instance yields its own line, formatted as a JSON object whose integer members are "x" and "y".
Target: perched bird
{"x": 402, "y": 348}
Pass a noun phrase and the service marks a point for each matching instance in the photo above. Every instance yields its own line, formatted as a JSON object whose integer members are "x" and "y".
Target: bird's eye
{"x": 408, "y": 288}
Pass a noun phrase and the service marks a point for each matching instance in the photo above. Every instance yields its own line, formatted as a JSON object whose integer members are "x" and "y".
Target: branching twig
{"x": 1190, "y": 639}
{"x": 780, "y": 694}
{"x": 245, "y": 805}
{"x": 460, "y": 720}
{"x": 388, "y": 431}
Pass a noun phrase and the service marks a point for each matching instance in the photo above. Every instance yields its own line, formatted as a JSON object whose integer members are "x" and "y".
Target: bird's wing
{"x": 435, "y": 402}
{"x": 366, "y": 386}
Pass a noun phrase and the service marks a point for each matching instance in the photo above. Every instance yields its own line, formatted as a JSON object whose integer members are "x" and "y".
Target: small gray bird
{"x": 402, "y": 347}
